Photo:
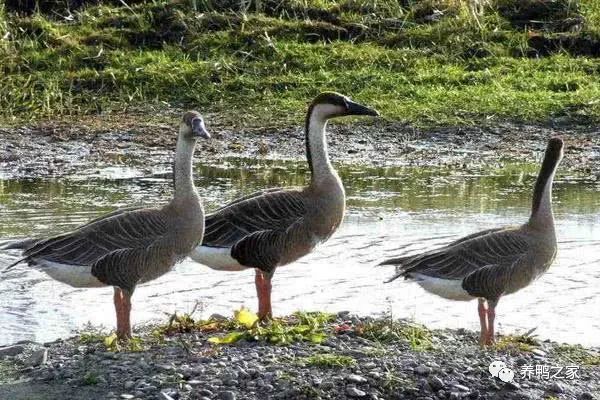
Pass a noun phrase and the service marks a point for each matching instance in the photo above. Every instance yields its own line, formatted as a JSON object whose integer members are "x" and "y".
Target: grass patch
{"x": 329, "y": 360}
{"x": 418, "y": 337}
{"x": 434, "y": 62}
{"x": 301, "y": 326}
{"x": 110, "y": 342}
{"x": 514, "y": 344}
{"x": 576, "y": 354}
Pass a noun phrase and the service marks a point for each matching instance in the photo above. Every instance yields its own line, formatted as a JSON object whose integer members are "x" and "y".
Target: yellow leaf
{"x": 109, "y": 341}
{"x": 245, "y": 317}
{"x": 227, "y": 339}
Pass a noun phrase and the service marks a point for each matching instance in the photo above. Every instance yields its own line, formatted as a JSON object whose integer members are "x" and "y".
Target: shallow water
{"x": 391, "y": 211}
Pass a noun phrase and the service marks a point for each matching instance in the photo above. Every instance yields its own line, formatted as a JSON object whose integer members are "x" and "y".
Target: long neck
{"x": 541, "y": 210}
{"x": 182, "y": 169}
{"x": 316, "y": 146}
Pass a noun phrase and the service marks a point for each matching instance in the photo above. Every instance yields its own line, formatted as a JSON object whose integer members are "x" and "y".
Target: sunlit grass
{"x": 469, "y": 65}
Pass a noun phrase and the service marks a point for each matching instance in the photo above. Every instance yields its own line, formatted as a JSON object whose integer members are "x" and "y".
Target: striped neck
{"x": 316, "y": 144}
{"x": 541, "y": 210}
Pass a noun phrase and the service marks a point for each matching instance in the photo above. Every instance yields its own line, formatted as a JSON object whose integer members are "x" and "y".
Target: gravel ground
{"x": 58, "y": 149}
{"x": 187, "y": 366}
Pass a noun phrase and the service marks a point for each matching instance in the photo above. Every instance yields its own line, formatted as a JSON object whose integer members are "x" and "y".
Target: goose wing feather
{"x": 500, "y": 248}
{"x": 266, "y": 249}
{"x": 259, "y": 216}
{"x": 127, "y": 229}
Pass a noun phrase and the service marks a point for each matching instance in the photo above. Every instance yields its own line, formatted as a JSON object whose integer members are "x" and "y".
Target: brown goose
{"x": 132, "y": 245}
{"x": 274, "y": 227}
{"x": 495, "y": 262}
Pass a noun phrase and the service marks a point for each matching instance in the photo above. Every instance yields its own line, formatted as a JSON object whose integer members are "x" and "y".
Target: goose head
{"x": 331, "y": 105}
{"x": 192, "y": 126}
{"x": 554, "y": 149}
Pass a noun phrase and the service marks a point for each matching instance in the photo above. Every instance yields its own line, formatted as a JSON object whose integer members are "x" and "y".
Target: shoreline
{"x": 358, "y": 357}
{"x": 60, "y": 149}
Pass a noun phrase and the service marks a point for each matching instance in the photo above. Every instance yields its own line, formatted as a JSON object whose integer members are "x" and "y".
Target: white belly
{"x": 447, "y": 288}
{"x": 218, "y": 258}
{"x": 79, "y": 276}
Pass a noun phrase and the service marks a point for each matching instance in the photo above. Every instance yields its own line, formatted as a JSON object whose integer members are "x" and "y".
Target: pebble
{"x": 128, "y": 385}
{"x": 227, "y": 395}
{"x": 462, "y": 388}
{"x": 353, "y": 391}
{"x": 38, "y": 357}
{"x": 422, "y": 370}
{"x": 435, "y": 383}
{"x": 11, "y": 351}
{"x": 556, "y": 387}
{"x": 354, "y": 378}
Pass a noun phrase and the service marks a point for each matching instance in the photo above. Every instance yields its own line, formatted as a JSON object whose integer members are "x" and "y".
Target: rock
{"x": 11, "y": 351}
{"x": 369, "y": 365}
{"x": 422, "y": 370}
{"x": 556, "y": 387}
{"x": 435, "y": 383}
{"x": 462, "y": 388}
{"x": 353, "y": 391}
{"x": 38, "y": 357}
{"x": 354, "y": 378}
{"x": 128, "y": 385}
{"x": 538, "y": 352}
{"x": 586, "y": 396}
{"x": 127, "y": 396}
{"x": 227, "y": 395}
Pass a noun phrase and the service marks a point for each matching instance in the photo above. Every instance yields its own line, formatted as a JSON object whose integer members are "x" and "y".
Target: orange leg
{"x": 122, "y": 301}
{"x": 482, "y": 309}
{"x": 491, "y": 316}
{"x": 262, "y": 281}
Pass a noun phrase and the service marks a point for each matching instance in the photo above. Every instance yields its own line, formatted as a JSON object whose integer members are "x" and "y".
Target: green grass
{"x": 261, "y": 67}
{"x": 514, "y": 344}
{"x": 576, "y": 354}
{"x": 329, "y": 360}
{"x": 418, "y": 337}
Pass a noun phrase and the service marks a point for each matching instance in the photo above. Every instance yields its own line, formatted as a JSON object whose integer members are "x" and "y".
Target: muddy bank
{"x": 360, "y": 358}
{"x": 59, "y": 149}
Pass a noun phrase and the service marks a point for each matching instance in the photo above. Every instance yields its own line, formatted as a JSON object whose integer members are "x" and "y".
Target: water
{"x": 391, "y": 211}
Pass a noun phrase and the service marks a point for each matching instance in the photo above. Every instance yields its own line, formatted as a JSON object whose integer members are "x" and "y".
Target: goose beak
{"x": 359, "y": 109}
{"x": 199, "y": 130}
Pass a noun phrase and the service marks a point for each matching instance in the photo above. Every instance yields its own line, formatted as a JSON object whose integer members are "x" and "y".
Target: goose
{"x": 275, "y": 227}
{"x": 494, "y": 262}
{"x": 132, "y": 245}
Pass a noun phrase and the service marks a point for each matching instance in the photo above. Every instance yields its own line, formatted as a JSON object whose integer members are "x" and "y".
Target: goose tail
{"x": 400, "y": 268}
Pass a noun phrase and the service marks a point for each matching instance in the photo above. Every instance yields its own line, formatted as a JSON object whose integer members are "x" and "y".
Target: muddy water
{"x": 391, "y": 211}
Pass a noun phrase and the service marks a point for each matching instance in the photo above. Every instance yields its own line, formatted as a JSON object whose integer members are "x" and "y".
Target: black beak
{"x": 359, "y": 109}
{"x": 199, "y": 130}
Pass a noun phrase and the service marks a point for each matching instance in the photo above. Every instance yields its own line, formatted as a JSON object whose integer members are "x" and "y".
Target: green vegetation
{"x": 110, "y": 341}
{"x": 418, "y": 337}
{"x": 301, "y": 326}
{"x": 329, "y": 360}
{"x": 514, "y": 344}
{"x": 427, "y": 62}
{"x": 576, "y": 354}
